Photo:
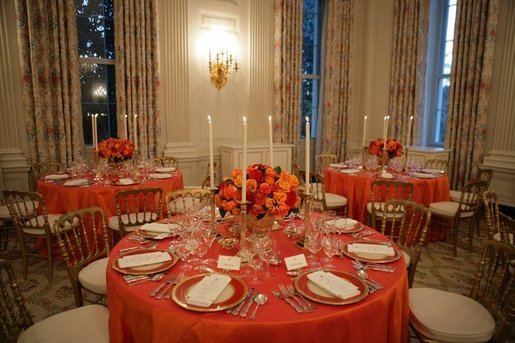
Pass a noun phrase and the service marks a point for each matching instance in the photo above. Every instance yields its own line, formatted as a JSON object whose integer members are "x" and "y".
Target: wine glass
{"x": 330, "y": 247}
{"x": 267, "y": 253}
{"x": 312, "y": 244}
{"x": 182, "y": 250}
{"x": 256, "y": 263}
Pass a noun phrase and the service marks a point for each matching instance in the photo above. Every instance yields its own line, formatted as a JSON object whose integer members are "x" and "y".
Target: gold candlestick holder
{"x": 95, "y": 163}
{"x": 363, "y": 154}
{"x": 406, "y": 154}
{"x": 243, "y": 253}
{"x": 307, "y": 206}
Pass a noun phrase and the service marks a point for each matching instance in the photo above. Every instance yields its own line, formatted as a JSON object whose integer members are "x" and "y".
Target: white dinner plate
{"x": 424, "y": 176}
{"x": 160, "y": 176}
{"x": 165, "y": 169}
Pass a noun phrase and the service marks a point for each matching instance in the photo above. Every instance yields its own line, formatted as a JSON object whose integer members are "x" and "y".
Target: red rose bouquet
{"x": 269, "y": 191}
{"x": 116, "y": 149}
{"x": 393, "y": 147}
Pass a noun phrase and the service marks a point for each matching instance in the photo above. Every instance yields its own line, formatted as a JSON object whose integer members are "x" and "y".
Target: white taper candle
{"x": 211, "y": 165}
{"x": 271, "y": 141}
{"x": 244, "y": 163}
{"x": 308, "y": 138}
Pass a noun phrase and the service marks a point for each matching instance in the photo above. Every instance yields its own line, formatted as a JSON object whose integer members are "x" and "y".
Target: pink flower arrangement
{"x": 269, "y": 191}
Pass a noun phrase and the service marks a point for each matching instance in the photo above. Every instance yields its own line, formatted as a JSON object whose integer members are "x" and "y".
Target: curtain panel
{"x": 287, "y": 73}
{"x": 407, "y": 72}
{"x": 469, "y": 92}
{"x": 137, "y": 73}
{"x": 337, "y": 78}
{"x": 47, "y": 39}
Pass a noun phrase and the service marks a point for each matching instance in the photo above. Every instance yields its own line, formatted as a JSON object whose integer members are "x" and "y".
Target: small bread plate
{"x": 174, "y": 231}
{"x": 371, "y": 257}
{"x": 146, "y": 269}
{"x": 232, "y": 295}
{"x": 313, "y": 292}
{"x": 343, "y": 225}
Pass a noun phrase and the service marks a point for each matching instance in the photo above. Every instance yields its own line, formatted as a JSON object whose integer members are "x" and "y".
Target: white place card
{"x": 229, "y": 262}
{"x": 139, "y": 260}
{"x": 333, "y": 284}
{"x": 207, "y": 290}
{"x": 378, "y": 249}
{"x": 295, "y": 262}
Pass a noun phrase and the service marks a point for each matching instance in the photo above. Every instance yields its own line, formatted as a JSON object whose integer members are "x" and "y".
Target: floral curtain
{"x": 47, "y": 39}
{"x": 287, "y": 75}
{"x": 137, "y": 73}
{"x": 469, "y": 91}
{"x": 407, "y": 72}
{"x": 337, "y": 85}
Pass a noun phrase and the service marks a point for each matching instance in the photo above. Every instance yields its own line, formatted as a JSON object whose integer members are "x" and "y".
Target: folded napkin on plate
{"x": 54, "y": 177}
{"x": 424, "y": 175}
{"x": 76, "y": 182}
{"x": 377, "y": 249}
{"x": 157, "y": 227}
{"x": 160, "y": 176}
{"x": 139, "y": 260}
{"x": 333, "y": 284}
{"x": 337, "y": 165}
{"x": 342, "y": 222}
{"x": 125, "y": 181}
{"x": 205, "y": 292}
{"x": 349, "y": 171}
{"x": 165, "y": 169}
{"x": 386, "y": 175}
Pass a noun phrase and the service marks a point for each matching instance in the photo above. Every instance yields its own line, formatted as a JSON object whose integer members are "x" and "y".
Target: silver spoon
{"x": 260, "y": 299}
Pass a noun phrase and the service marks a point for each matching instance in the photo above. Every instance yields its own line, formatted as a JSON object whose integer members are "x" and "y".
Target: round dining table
{"x": 356, "y": 188}
{"x": 60, "y": 198}
{"x": 382, "y": 316}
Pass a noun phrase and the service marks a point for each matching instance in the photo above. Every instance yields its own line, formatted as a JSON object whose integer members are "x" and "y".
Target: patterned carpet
{"x": 437, "y": 268}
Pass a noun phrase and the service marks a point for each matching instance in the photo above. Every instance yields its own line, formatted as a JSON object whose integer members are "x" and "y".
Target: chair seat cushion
{"x": 455, "y": 195}
{"x": 448, "y": 209}
{"x": 380, "y": 210}
{"x": 140, "y": 216}
{"x": 81, "y": 325}
{"x": 335, "y": 200}
{"x": 407, "y": 257}
{"x": 449, "y": 317}
{"x": 39, "y": 221}
{"x": 93, "y": 276}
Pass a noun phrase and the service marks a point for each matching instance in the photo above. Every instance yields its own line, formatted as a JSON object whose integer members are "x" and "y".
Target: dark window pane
{"x": 95, "y": 28}
{"x": 309, "y": 105}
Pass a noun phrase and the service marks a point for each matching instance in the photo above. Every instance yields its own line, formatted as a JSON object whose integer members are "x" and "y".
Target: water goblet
{"x": 330, "y": 248}
{"x": 312, "y": 244}
{"x": 256, "y": 263}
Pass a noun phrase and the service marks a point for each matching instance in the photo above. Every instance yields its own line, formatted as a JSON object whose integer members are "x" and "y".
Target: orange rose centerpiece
{"x": 271, "y": 194}
{"x": 116, "y": 149}
{"x": 393, "y": 147}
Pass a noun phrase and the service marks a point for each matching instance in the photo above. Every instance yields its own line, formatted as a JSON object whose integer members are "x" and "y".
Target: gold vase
{"x": 259, "y": 227}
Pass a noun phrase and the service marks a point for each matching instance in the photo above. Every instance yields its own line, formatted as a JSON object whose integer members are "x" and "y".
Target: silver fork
{"x": 287, "y": 295}
{"x": 139, "y": 247}
{"x": 293, "y": 291}
{"x": 278, "y": 295}
{"x": 174, "y": 282}
{"x": 170, "y": 279}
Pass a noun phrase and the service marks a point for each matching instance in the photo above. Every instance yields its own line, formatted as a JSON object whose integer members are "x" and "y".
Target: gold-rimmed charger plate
{"x": 231, "y": 296}
{"x": 134, "y": 182}
{"x": 148, "y": 269}
{"x": 313, "y": 292}
{"x": 372, "y": 258}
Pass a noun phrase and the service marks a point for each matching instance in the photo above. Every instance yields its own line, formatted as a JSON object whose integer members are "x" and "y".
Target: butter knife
{"x": 246, "y": 307}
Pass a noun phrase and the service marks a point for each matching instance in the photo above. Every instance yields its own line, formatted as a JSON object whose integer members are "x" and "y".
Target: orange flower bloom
{"x": 116, "y": 149}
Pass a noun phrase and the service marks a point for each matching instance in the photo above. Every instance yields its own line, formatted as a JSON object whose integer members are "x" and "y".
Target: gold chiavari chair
{"x": 85, "y": 242}
{"x": 323, "y": 161}
{"x": 484, "y": 316}
{"x": 167, "y": 161}
{"x": 500, "y": 226}
{"x": 380, "y": 192}
{"x": 186, "y": 200}
{"x": 83, "y": 324}
{"x": 320, "y": 198}
{"x": 42, "y": 169}
{"x": 438, "y": 164}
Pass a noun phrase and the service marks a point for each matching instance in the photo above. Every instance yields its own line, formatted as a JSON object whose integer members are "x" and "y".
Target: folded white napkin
{"x": 205, "y": 292}
{"x": 385, "y": 175}
{"x": 54, "y": 177}
{"x": 337, "y": 165}
{"x": 157, "y": 227}
{"x": 126, "y": 181}
{"x": 165, "y": 169}
{"x": 160, "y": 176}
{"x": 342, "y": 222}
{"x": 139, "y": 260}
{"x": 424, "y": 175}
{"x": 377, "y": 249}
{"x": 349, "y": 171}
{"x": 76, "y": 182}
{"x": 333, "y": 284}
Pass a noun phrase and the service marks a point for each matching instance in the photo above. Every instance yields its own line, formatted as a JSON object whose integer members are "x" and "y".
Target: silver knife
{"x": 238, "y": 307}
{"x": 246, "y": 308}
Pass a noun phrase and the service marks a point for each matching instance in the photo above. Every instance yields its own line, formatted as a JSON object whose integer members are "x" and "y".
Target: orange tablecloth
{"x": 61, "y": 199}
{"x": 356, "y": 188}
{"x": 134, "y": 316}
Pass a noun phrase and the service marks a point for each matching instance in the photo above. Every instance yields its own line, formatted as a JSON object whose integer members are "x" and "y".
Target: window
{"x": 312, "y": 20}
{"x": 95, "y": 30}
{"x": 440, "y": 44}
